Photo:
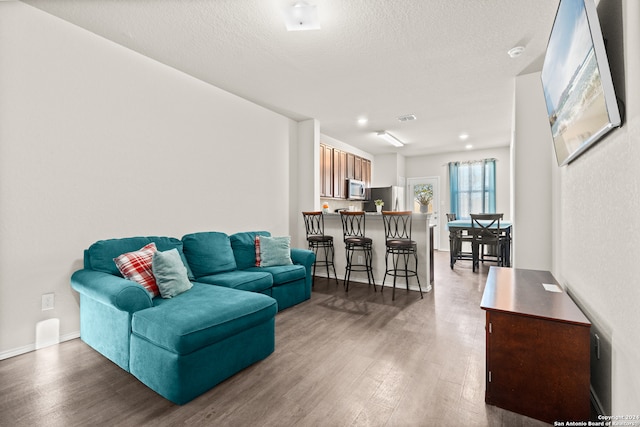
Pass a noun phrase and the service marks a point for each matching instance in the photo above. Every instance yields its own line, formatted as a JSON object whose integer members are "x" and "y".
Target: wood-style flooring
{"x": 356, "y": 359}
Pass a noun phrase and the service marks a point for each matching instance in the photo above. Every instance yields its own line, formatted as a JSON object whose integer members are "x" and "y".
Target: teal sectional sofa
{"x": 183, "y": 346}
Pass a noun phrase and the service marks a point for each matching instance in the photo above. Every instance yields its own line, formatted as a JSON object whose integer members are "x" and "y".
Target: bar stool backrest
{"x": 397, "y": 225}
{"x": 353, "y": 223}
{"x": 313, "y": 223}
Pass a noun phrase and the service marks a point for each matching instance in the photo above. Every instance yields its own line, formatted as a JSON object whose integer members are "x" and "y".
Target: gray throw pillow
{"x": 275, "y": 251}
{"x": 170, "y": 273}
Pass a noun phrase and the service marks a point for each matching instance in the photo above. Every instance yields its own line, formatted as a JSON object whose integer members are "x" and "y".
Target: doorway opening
{"x": 432, "y": 207}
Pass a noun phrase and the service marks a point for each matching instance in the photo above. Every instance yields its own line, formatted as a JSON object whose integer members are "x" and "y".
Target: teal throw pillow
{"x": 275, "y": 251}
{"x": 170, "y": 273}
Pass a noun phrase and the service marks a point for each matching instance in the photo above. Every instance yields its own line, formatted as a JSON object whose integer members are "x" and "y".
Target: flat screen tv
{"x": 578, "y": 89}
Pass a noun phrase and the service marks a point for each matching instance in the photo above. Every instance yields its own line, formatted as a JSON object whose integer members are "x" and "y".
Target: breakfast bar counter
{"x": 374, "y": 229}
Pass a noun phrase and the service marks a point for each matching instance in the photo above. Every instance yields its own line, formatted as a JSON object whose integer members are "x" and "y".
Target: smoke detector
{"x": 407, "y": 118}
{"x": 515, "y": 51}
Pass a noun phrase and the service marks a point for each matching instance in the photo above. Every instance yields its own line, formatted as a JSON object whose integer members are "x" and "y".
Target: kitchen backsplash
{"x": 341, "y": 204}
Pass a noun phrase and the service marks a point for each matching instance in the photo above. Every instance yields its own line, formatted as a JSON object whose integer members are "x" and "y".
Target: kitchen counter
{"x": 416, "y": 216}
{"x": 374, "y": 228}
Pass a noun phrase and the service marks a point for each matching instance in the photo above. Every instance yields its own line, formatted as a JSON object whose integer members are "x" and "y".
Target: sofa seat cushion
{"x": 201, "y": 317}
{"x": 282, "y": 273}
{"x": 253, "y": 281}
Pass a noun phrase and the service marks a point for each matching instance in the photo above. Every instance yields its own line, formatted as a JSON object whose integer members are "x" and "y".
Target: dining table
{"x": 461, "y": 228}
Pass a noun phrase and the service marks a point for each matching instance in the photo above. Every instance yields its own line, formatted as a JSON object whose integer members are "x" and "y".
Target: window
{"x": 473, "y": 187}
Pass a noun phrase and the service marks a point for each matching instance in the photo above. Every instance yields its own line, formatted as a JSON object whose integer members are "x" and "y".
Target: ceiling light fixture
{"x": 515, "y": 51}
{"x": 463, "y": 136}
{"x": 468, "y": 146}
{"x": 390, "y": 138}
{"x": 301, "y": 16}
{"x": 362, "y": 121}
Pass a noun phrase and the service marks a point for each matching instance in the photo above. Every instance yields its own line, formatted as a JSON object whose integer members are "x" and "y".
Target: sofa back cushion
{"x": 100, "y": 255}
{"x": 244, "y": 248}
{"x": 208, "y": 253}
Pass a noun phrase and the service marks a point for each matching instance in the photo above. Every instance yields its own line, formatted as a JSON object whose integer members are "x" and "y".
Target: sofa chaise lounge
{"x": 183, "y": 346}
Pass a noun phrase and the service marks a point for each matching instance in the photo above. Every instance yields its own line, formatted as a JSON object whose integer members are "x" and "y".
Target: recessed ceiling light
{"x": 463, "y": 136}
{"x": 515, "y": 51}
{"x": 363, "y": 121}
{"x": 468, "y": 146}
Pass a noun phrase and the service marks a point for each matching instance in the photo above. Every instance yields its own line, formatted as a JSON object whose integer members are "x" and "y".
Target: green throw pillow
{"x": 170, "y": 273}
{"x": 275, "y": 251}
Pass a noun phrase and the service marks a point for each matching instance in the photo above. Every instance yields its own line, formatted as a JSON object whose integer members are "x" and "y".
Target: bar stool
{"x": 397, "y": 230}
{"x": 353, "y": 230}
{"x": 314, "y": 225}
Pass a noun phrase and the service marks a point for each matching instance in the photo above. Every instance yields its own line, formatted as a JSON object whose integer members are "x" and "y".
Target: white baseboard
{"x": 341, "y": 278}
{"x": 31, "y": 347}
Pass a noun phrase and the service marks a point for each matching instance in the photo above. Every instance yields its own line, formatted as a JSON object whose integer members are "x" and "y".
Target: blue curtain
{"x": 472, "y": 187}
{"x": 453, "y": 187}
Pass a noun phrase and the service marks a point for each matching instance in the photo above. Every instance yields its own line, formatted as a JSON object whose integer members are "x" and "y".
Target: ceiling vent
{"x": 407, "y": 118}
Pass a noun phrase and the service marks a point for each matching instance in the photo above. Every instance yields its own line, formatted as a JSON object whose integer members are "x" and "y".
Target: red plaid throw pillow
{"x": 136, "y": 266}
{"x": 257, "y": 251}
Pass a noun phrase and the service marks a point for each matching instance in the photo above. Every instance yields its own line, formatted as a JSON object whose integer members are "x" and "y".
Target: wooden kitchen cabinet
{"x": 339, "y": 174}
{"x": 326, "y": 171}
{"x": 357, "y": 168}
{"x": 351, "y": 165}
{"x": 336, "y": 167}
{"x": 537, "y": 347}
{"x": 366, "y": 172}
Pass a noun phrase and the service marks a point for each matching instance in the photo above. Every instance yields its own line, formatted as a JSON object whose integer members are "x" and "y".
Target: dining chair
{"x": 456, "y": 240}
{"x": 486, "y": 233}
{"x": 318, "y": 241}
{"x": 355, "y": 241}
{"x": 490, "y": 248}
{"x": 397, "y": 230}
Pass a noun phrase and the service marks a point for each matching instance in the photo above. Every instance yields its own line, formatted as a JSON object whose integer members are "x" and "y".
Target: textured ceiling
{"x": 443, "y": 60}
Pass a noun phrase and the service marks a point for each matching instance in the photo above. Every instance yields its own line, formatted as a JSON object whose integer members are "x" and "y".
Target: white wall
{"x": 340, "y": 145}
{"x": 595, "y": 201}
{"x": 97, "y": 141}
{"x": 437, "y": 165}
{"x": 599, "y": 215}
{"x": 388, "y": 169}
{"x": 533, "y": 160}
{"x": 307, "y": 184}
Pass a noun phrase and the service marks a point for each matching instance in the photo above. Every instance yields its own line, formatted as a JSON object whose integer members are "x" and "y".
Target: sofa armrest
{"x": 306, "y": 258}
{"x": 303, "y": 257}
{"x": 108, "y": 289}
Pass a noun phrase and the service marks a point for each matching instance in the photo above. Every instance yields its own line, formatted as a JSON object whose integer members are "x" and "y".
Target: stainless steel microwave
{"x": 356, "y": 190}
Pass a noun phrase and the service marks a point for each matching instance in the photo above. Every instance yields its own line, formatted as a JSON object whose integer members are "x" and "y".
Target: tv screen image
{"x": 577, "y": 84}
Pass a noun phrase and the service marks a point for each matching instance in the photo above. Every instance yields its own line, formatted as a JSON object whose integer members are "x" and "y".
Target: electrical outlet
{"x": 47, "y": 302}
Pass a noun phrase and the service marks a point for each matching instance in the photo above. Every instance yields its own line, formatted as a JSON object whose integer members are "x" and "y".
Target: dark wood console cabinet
{"x": 537, "y": 361}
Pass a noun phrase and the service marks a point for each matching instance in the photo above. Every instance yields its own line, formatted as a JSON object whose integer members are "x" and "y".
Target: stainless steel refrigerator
{"x": 392, "y": 196}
